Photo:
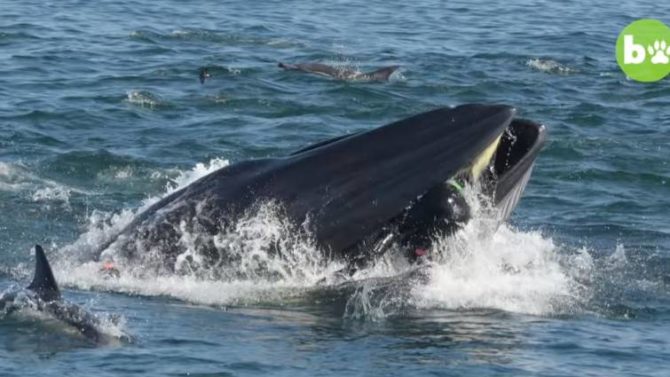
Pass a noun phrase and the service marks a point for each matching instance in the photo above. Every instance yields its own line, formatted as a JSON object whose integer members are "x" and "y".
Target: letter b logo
{"x": 633, "y": 53}
{"x": 642, "y": 50}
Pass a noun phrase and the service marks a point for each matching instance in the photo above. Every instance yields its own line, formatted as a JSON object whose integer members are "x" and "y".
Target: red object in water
{"x": 420, "y": 252}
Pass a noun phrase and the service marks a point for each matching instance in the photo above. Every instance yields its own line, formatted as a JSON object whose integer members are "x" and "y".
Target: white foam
{"x": 483, "y": 266}
{"x": 12, "y": 177}
{"x": 397, "y": 76}
{"x": 52, "y": 194}
{"x": 550, "y": 66}
{"x": 266, "y": 263}
{"x": 258, "y": 273}
{"x": 186, "y": 288}
{"x": 511, "y": 270}
{"x": 124, "y": 173}
{"x": 102, "y": 226}
{"x": 5, "y": 169}
{"x": 200, "y": 170}
{"x": 144, "y": 98}
{"x": 183, "y": 33}
{"x": 480, "y": 267}
{"x": 15, "y": 177}
{"x": 234, "y": 71}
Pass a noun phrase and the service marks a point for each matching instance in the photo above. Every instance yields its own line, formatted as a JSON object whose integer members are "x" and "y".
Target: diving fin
{"x": 44, "y": 283}
{"x": 382, "y": 74}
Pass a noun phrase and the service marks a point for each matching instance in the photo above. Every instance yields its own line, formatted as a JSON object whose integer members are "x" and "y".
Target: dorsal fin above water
{"x": 382, "y": 74}
{"x": 44, "y": 283}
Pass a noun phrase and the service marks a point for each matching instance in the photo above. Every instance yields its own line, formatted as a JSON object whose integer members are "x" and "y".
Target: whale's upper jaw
{"x": 343, "y": 190}
{"x": 369, "y": 178}
{"x": 352, "y": 186}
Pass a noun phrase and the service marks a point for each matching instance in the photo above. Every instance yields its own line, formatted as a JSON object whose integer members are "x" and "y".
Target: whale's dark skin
{"x": 44, "y": 296}
{"x": 346, "y": 191}
{"x": 382, "y": 74}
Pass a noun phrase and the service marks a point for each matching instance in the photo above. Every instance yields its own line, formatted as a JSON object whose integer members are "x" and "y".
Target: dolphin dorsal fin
{"x": 44, "y": 283}
{"x": 382, "y": 74}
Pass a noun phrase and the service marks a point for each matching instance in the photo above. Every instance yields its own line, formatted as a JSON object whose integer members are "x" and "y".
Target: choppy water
{"x": 101, "y": 112}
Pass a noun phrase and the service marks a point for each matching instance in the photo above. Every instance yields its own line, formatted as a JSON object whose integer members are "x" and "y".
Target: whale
{"x": 381, "y": 74}
{"x": 43, "y": 296}
{"x": 351, "y": 192}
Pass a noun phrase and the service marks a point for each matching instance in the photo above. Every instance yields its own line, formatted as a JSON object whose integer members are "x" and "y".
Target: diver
{"x": 440, "y": 211}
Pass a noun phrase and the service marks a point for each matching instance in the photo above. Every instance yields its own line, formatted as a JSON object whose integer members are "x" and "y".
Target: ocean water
{"x": 101, "y": 113}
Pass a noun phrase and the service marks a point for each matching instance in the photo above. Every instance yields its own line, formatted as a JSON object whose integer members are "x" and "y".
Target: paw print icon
{"x": 659, "y": 52}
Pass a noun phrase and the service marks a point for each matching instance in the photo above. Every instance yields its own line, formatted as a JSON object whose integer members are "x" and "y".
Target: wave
{"x": 267, "y": 262}
{"x": 509, "y": 270}
{"x": 16, "y": 36}
{"x": 146, "y": 99}
{"x": 482, "y": 266}
{"x": 18, "y": 178}
{"x": 102, "y": 226}
{"x": 212, "y": 36}
{"x": 550, "y": 66}
{"x": 258, "y": 275}
{"x": 52, "y": 194}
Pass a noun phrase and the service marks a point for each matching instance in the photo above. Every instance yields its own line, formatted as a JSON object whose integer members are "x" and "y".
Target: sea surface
{"x": 101, "y": 113}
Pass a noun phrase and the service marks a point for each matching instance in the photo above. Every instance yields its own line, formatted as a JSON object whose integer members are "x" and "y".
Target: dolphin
{"x": 352, "y": 191}
{"x": 43, "y": 295}
{"x": 341, "y": 74}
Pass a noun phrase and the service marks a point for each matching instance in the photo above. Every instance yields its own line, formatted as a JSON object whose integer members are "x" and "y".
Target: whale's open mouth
{"x": 346, "y": 193}
{"x": 500, "y": 171}
{"x": 513, "y": 163}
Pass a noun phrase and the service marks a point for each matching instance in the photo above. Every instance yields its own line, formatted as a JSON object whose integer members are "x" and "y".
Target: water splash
{"x": 52, "y": 194}
{"x": 144, "y": 98}
{"x": 263, "y": 258}
{"x": 511, "y": 270}
{"x": 550, "y": 66}
{"x": 18, "y": 178}
{"x": 103, "y": 226}
{"x": 483, "y": 265}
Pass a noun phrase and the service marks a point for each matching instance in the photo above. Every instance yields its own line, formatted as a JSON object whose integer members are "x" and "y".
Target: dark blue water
{"x": 101, "y": 111}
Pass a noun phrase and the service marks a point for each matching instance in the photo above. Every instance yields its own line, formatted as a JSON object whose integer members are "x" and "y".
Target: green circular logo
{"x": 643, "y": 50}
